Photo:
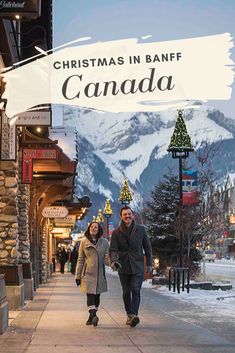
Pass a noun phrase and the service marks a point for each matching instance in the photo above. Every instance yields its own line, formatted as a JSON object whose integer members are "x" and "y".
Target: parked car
{"x": 209, "y": 255}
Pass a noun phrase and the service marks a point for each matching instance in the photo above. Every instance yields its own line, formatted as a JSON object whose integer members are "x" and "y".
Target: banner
{"x": 125, "y": 76}
{"x": 189, "y": 185}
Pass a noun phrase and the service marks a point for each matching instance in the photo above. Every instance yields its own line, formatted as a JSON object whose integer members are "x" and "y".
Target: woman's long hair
{"x": 98, "y": 235}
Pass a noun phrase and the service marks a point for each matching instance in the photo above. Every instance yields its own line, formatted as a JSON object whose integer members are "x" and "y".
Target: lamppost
{"x": 107, "y": 213}
{"x": 125, "y": 194}
{"x": 180, "y": 146}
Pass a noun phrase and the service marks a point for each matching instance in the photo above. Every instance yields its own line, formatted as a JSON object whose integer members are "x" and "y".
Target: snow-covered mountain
{"x": 112, "y": 147}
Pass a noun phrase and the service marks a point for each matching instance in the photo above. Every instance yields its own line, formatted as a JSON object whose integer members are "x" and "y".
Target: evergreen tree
{"x": 180, "y": 140}
{"x": 125, "y": 194}
{"x": 161, "y": 214}
{"x": 108, "y": 209}
{"x": 161, "y": 209}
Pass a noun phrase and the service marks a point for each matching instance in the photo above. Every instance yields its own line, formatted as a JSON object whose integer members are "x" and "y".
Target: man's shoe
{"x": 134, "y": 321}
{"x": 128, "y": 321}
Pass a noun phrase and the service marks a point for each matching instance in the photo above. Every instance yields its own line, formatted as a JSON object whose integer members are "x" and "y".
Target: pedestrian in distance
{"x": 63, "y": 258}
{"x": 90, "y": 275}
{"x": 74, "y": 258}
{"x": 129, "y": 243}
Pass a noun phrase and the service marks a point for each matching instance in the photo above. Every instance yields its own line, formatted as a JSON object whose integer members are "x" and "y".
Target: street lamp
{"x": 107, "y": 213}
{"x": 180, "y": 146}
{"x": 125, "y": 194}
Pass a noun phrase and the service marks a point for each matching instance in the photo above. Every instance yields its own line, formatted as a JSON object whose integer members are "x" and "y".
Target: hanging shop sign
{"x": 34, "y": 118}
{"x": 8, "y": 139}
{"x": 27, "y": 9}
{"x": 55, "y": 212}
{"x": 60, "y": 230}
{"x": 29, "y": 155}
{"x": 66, "y": 221}
{"x": 8, "y": 132}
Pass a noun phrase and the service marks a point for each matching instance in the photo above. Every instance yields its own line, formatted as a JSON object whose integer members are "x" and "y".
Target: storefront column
{"x": 9, "y": 239}
{"x": 44, "y": 256}
{"x": 24, "y": 241}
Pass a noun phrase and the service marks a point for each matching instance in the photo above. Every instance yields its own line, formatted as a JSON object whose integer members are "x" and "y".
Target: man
{"x": 63, "y": 258}
{"x": 128, "y": 245}
{"x": 74, "y": 258}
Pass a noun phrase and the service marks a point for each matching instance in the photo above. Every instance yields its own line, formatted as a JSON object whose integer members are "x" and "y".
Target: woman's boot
{"x": 91, "y": 315}
{"x": 95, "y": 318}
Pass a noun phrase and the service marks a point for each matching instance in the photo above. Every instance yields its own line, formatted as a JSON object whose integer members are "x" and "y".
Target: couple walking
{"x": 128, "y": 245}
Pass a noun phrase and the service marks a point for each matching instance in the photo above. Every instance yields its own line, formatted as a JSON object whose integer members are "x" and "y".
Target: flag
{"x": 189, "y": 186}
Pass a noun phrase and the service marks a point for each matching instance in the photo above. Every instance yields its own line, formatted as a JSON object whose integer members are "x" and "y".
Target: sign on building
{"x": 66, "y": 221}
{"x": 8, "y": 132}
{"x": 28, "y": 155}
{"x": 60, "y": 230}
{"x": 8, "y": 139}
{"x": 55, "y": 212}
{"x": 30, "y": 9}
{"x": 34, "y": 118}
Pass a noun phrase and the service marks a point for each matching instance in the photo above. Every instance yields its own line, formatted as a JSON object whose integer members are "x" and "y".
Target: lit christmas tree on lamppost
{"x": 94, "y": 219}
{"x": 107, "y": 213}
{"x": 180, "y": 146}
{"x": 100, "y": 216}
{"x": 125, "y": 194}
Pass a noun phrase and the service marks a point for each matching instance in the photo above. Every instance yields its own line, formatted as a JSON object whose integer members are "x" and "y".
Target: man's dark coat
{"x": 129, "y": 249}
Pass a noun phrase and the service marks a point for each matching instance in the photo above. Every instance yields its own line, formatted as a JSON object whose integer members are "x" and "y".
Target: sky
{"x": 165, "y": 20}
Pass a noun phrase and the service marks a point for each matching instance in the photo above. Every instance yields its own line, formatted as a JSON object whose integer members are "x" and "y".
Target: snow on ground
{"x": 201, "y": 297}
{"x": 220, "y": 304}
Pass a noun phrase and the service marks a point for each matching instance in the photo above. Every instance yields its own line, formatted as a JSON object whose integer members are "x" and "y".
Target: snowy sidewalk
{"x": 55, "y": 322}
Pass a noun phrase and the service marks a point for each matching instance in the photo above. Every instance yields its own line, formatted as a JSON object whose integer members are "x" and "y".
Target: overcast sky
{"x": 163, "y": 19}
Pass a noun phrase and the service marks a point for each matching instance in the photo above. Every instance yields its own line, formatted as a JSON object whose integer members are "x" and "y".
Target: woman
{"x": 90, "y": 270}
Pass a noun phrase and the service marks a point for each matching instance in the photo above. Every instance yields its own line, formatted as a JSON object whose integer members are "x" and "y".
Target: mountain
{"x": 112, "y": 147}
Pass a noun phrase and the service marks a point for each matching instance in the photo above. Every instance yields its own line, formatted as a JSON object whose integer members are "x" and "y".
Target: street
{"x": 221, "y": 270}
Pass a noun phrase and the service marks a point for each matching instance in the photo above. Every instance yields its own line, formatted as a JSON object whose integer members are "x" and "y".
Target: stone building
{"x": 35, "y": 172}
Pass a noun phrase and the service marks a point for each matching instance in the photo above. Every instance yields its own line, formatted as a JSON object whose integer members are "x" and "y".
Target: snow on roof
{"x": 66, "y": 137}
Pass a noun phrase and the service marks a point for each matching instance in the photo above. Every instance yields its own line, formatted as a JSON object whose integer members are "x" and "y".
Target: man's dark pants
{"x": 131, "y": 286}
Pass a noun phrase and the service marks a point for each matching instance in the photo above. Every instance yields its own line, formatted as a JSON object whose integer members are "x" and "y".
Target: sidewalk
{"x": 55, "y": 322}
